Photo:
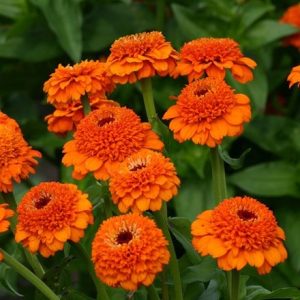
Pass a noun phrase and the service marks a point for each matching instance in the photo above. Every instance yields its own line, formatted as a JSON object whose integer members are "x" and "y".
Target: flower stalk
{"x": 147, "y": 92}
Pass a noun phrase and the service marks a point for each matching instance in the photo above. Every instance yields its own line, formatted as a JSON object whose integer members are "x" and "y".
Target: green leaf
{"x": 193, "y": 291}
{"x": 260, "y": 293}
{"x": 12, "y": 8}
{"x": 64, "y": 18}
{"x": 8, "y": 279}
{"x": 235, "y": 163}
{"x": 273, "y": 179}
{"x": 265, "y": 32}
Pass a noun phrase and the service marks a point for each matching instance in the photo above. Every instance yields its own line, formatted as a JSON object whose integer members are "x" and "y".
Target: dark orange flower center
{"x": 42, "y": 201}
{"x": 201, "y": 92}
{"x": 246, "y": 215}
{"x": 105, "y": 121}
{"x": 124, "y": 237}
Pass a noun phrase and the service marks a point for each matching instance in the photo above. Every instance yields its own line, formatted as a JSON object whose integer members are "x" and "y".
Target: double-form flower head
{"x": 240, "y": 231}
{"x": 212, "y": 56}
{"x": 143, "y": 181}
{"x": 206, "y": 111}
{"x": 105, "y": 138}
{"x": 50, "y": 214}
{"x": 128, "y": 251}
{"x": 17, "y": 159}
{"x": 294, "y": 76}
{"x": 141, "y": 55}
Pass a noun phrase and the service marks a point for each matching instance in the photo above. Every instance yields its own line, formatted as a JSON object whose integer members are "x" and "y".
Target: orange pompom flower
{"x": 240, "y": 231}
{"x": 5, "y": 213}
{"x": 105, "y": 138}
{"x": 128, "y": 251}
{"x": 292, "y": 17}
{"x": 50, "y": 214}
{"x": 70, "y": 83}
{"x": 213, "y": 56}
{"x": 143, "y": 181}
{"x": 294, "y": 76}
{"x": 206, "y": 111}
{"x": 17, "y": 158}
{"x": 141, "y": 55}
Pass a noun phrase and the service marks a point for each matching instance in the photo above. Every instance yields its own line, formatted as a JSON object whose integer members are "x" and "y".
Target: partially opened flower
{"x": 51, "y": 214}
{"x": 292, "y": 16}
{"x": 240, "y": 231}
{"x": 294, "y": 76}
{"x": 128, "y": 251}
{"x": 105, "y": 138}
{"x": 70, "y": 83}
{"x": 141, "y": 55}
{"x": 212, "y": 56}
{"x": 17, "y": 159}
{"x": 206, "y": 111}
{"x": 143, "y": 181}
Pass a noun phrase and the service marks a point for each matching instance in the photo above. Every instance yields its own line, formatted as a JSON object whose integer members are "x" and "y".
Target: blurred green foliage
{"x": 37, "y": 35}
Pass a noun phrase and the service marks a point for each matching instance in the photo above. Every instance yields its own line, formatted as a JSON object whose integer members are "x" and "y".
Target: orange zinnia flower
{"x": 141, "y": 55}
{"x": 105, "y": 138}
{"x": 292, "y": 17}
{"x": 143, "y": 181}
{"x": 51, "y": 214}
{"x": 5, "y": 213}
{"x": 128, "y": 251}
{"x": 17, "y": 159}
{"x": 240, "y": 231}
{"x": 294, "y": 76}
{"x": 70, "y": 83}
{"x": 206, "y": 111}
{"x": 213, "y": 56}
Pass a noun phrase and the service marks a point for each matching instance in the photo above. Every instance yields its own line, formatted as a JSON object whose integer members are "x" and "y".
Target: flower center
{"x": 201, "y": 92}
{"x": 138, "y": 164}
{"x": 124, "y": 237}
{"x": 42, "y": 201}
{"x": 246, "y": 215}
{"x": 105, "y": 121}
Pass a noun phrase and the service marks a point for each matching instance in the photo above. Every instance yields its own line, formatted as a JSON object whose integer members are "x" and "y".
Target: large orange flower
{"x": 206, "y": 111}
{"x": 51, "y": 214}
{"x": 213, "y": 56}
{"x": 70, "y": 83}
{"x": 292, "y": 17}
{"x": 240, "y": 231}
{"x": 294, "y": 76}
{"x": 5, "y": 213}
{"x": 141, "y": 55}
{"x": 128, "y": 251}
{"x": 17, "y": 159}
{"x": 143, "y": 181}
{"x": 105, "y": 138}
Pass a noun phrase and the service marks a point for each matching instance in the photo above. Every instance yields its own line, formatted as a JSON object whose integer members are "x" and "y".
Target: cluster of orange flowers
{"x": 112, "y": 143}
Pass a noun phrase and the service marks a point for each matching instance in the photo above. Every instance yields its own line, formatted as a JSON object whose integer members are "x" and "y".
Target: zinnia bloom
{"x": 50, "y": 214}
{"x": 17, "y": 159}
{"x": 294, "y": 76}
{"x": 70, "y": 83}
{"x": 105, "y": 138}
{"x": 128, "y": 251}
{"x": 141, "y": 55}
{"x": 292, "y": 17}
{"x": 206, "y": 111}
{"x": 240, "y": 231}
{"x": 143, "y": 181}
{"x": 212, "y": 56}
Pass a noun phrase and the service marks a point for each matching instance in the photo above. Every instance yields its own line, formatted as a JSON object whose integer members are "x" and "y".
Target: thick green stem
{"x": 146, "y": 86}
{"x": 164, "y": 286}
{"x": 86, "y": 105}
{"x": 101, "y": 291}
{"x": 161, "y": 219}
{"x": 235, "y": 282}
{"x": 35, "y": 264}
{"x": 28, "y": 275}
{"x": 152, "y": 293}
{"x": 160, "y": 14}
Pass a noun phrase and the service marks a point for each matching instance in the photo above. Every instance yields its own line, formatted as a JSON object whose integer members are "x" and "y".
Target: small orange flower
{"x": 141, "y": 55}
{"x": 294, "y": 76}
{"x": 66, "y": 117}
{"x": 213, "y": 56}
{"x": 292, "y": 17}
{"x": 143, "y": 181}
{"x": 206, "y": 111}
{"x": 5, "y": 213}
{"x": 50, "y": 214}
{"x": 105, "y": 138}
{"x": 70, "y": 83}
{"x": 128, "y": 251}
{"x": 17, "y": 159}
{"x": 240, "y": 231}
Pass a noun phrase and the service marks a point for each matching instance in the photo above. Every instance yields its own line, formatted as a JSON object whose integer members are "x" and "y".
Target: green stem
{"x": 152, "y": 293}
{"x": 146, "y": 86}
{"x": 101, "y": 291}
{"x": 35, "y": 264}
{"x": 164, "y": 286}
{"x": 28, "y": 275}
{"x": 107, "y": 200}
{"x": 160, "y": 14}
{"x": 235, "y": 282}
{"x": 86, "y": 105}
{"x": 161, "y": 219}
